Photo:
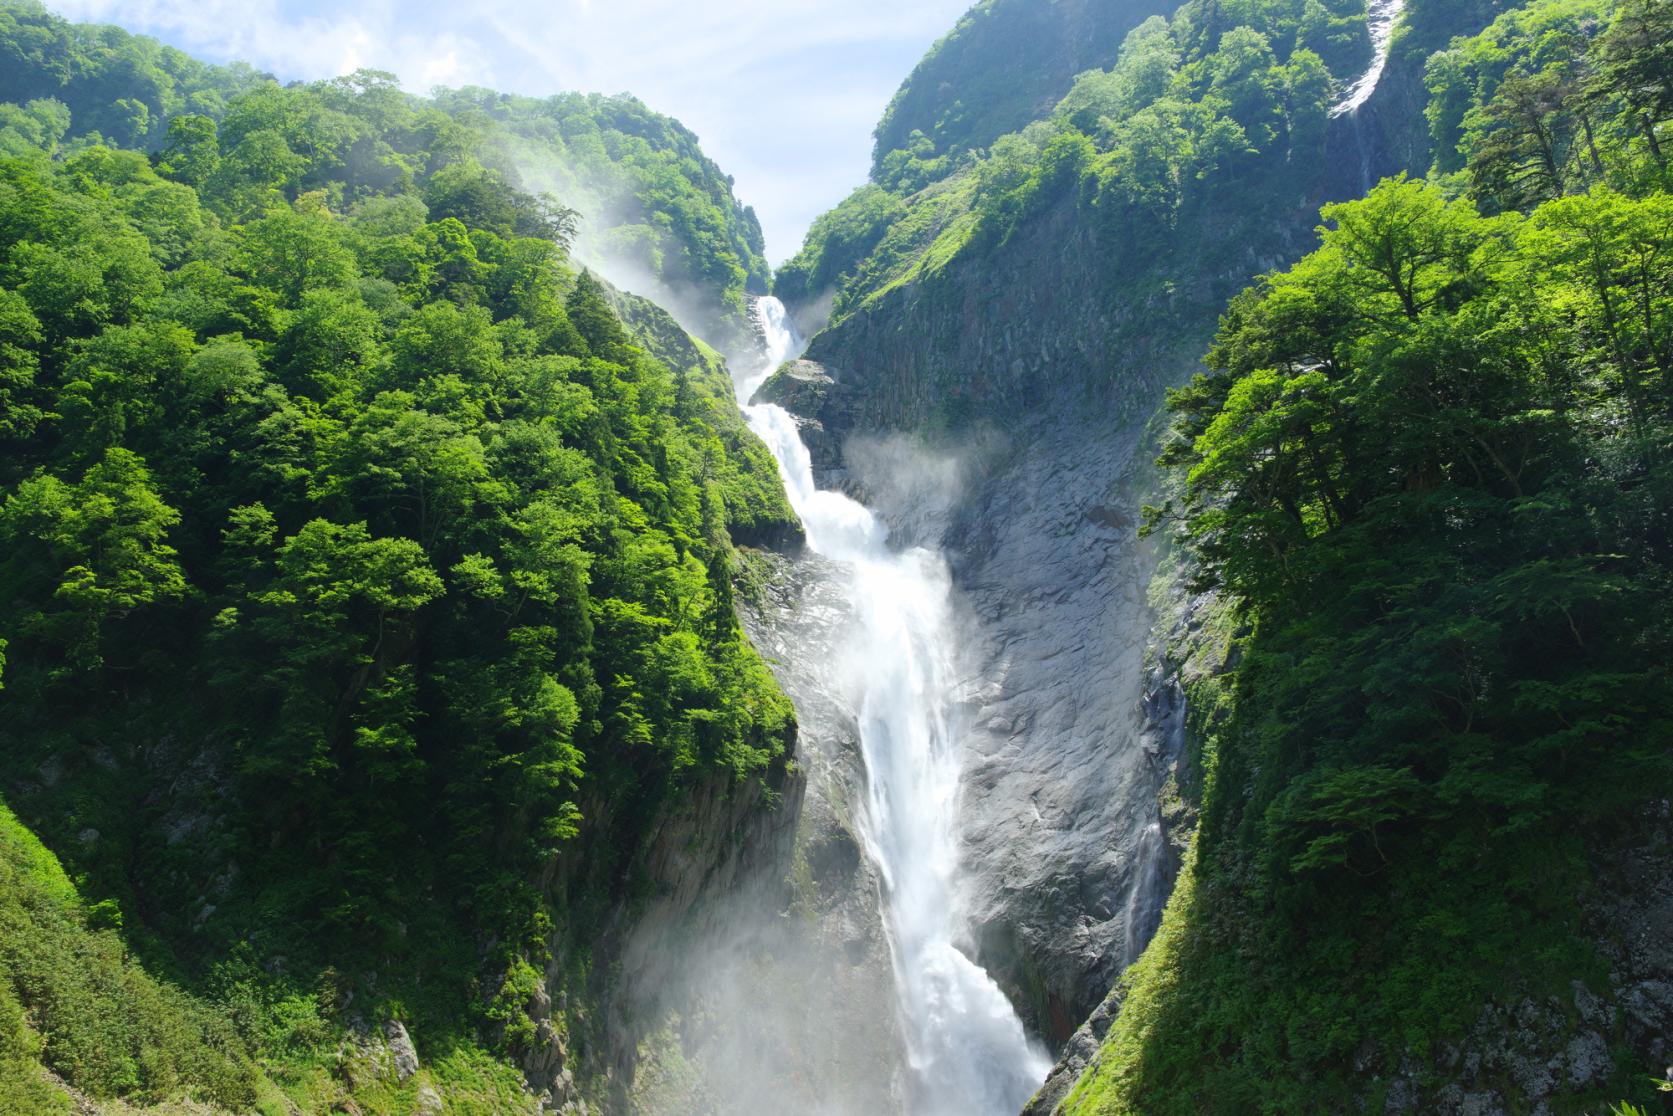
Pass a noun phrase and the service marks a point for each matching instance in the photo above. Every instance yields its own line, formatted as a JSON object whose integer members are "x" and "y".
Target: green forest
{"x": 374, "y": 573}
{"x": 367, "y": 586}
{"x": 654, "y": 201}
{"x": 1428, "y": 472}
{"x": 1205, "y": 120}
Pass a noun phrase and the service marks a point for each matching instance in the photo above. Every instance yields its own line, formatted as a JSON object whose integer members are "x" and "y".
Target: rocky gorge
{"x": 1166, "y": 584}
{"x": 1000, "y": 406}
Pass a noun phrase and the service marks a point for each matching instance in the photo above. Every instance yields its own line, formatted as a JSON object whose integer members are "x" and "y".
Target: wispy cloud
{"x": 784, "y": 93}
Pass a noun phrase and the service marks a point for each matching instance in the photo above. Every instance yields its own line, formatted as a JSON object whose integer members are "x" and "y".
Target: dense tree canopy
{"x": 657, "y": 208}
{"x": 323, "y": 469}
{"x": 1428, "y": 475}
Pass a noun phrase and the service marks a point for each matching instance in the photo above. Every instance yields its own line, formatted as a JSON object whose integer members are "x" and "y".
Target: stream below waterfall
{"x": 967, "y": 1051}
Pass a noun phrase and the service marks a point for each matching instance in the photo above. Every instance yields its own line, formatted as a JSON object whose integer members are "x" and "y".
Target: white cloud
{"x": 783, "y": 93}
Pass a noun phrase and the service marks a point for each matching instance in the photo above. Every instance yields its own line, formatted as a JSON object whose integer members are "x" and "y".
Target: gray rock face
{"x": 386, "y": 1054}
{"x": 403, "y": 1054}
{"x": 776, "y": 993}
{"x": 1066, "y": 753}
{"x": 1038, "y": 388}
{"x": 807, "y": 389}
{"x": 1005, "y": 342}
{"x": 1060, "y": 795}
{"x": 1377, "y": 139}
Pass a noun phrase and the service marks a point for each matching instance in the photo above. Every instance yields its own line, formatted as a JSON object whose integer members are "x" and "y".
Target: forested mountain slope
{"x": 1150, "y": 190}
{"x": 367, "y": 595}
{"x": 1414, "y": 614}
{"x": 1429, "y": 473}
{"x": 658, "y": 210}
{"x": 660, "y": 216}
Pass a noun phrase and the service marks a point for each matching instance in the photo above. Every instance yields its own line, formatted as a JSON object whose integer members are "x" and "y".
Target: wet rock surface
{"x": 776, "y": 993}
{"x": 1068, "y": 735}
{"x": 1076, "y": 1056}
{"x": 1060, "y": 790}
{"x": 1037, "y": 512}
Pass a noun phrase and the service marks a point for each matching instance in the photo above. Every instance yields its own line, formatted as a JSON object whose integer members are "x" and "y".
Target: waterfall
{"x": 967, "y": 1050}
{"x": 1383, "y": 15}
{"x": 1147, "y": 894}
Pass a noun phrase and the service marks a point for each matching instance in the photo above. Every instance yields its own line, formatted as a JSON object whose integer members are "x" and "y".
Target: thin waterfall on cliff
{"x": 967, "y": 1050}
{"x": 1147, "y": 894}
{"x": 1383, "y": 15}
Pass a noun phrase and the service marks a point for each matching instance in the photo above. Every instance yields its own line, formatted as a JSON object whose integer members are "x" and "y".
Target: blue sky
{"x": 784, "y": 93}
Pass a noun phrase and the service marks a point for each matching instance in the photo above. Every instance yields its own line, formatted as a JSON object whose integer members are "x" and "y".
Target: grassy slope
{"x": 85, "y": 1025}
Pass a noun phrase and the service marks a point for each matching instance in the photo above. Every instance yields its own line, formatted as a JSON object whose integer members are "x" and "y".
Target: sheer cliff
{"x": 1016, "y": 305}
{"x": 1025, "y": 316}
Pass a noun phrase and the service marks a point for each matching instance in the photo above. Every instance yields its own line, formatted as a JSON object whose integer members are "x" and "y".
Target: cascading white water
{"x": 1383, "y": 15}
{"x": 967, "y": 1049}
{"x": 1147, "y": 894}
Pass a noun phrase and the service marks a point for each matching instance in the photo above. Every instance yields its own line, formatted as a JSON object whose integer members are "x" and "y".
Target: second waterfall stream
{"x": 968, "y": 1052}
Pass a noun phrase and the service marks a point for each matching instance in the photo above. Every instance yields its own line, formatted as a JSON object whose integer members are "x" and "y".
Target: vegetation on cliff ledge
{"x": 1213, "y": 117}
{"x": 1430, "y": 465}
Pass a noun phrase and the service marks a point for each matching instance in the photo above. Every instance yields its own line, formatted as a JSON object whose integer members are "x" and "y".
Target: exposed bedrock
{"x": 773, "y": 991}
{"x": 1061, "y": 790}
{"x": 1065, "y": 757}
{"x": 998, "y": 412}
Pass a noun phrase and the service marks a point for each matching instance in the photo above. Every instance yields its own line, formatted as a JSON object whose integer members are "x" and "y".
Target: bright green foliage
{"x": 72, "y": 1000}
{"x": 673, "y": 222}
{"x": 658, "y": 207}
{"x": 329, "y": 490}
{"x": 1553, "y": 98}
{"x": 20, "y": 333}
{"x": 1003, "y": 65}
{"x": 1637, "y": 66}
{"x": 101, "y": 540}
{"x": 118, "y": 88}
{"x": 837, "y": 243}
{"x": 1214, "y": 111}
{"x": 1007, "y": 63}
{"x": 1428, "y": 467}
{"x": 37, "y": 127}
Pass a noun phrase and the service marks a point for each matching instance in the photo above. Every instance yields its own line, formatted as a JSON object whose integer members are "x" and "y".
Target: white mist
{"x": 967, "y": 1050}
